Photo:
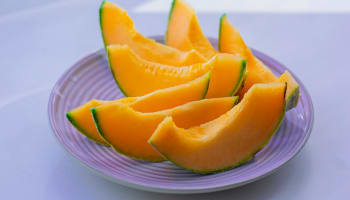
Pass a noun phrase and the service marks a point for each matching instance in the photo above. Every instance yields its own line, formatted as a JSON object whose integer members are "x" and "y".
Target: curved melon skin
{"x": 128, "y": 130}
{"x": 293, "y": 93}
{"x": 137, "y": 77}
{"x": 226, "y": 79}
{"x": 184, "y": 32}
{"x": 230, "y": 41}
{"x": 228, "y": 141}
{"x": 82, "y": 120}
{"x": 118, "y": 28}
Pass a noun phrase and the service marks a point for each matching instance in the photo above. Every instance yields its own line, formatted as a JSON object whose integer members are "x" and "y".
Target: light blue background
{"x": 40, "y": 39}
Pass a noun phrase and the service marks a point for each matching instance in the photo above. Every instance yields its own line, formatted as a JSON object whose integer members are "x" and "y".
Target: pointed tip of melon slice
{"x": 293, "y": 90}
{"x": 169, "y": 18}
{"x": 76, "y": 125}
{"x": 222, "y": 17}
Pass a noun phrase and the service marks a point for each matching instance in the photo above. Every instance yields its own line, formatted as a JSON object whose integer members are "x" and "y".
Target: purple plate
{"x": 91, "y": 78}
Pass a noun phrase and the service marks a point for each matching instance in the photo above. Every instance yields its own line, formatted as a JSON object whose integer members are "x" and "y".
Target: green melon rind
{"x": 236, "y": 98}
{"x": 241, "y": 78}
{"x": 207, "y": 85}
{"x": 106, "y": 49}
{"x": 244, "y": 160}
{"x": 293, "y": 99}
{"x": 114, "y": 76}
{"x": 169, "y": 18}
{"x": 101, "y": 16}
{"x": 94, "y": 112}
{"x": 81, "y": 130}
{"x": 244, "y": 79}
{"x": 220, "y": 28}
{"x": 244, "y": 73}
{"x": 95, "y": 118}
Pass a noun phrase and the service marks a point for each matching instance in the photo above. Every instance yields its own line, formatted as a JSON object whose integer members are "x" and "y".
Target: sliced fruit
{"x": 170, "y": 97}
{"x": 137, "y": 77}
{"x": 128, "y": 130}
{"x": 226, "y": 77}
{"x": 228, "y": 141}
{"x": 292, "y": 94}
{"x": 118, "y": 28}
{"x": 184, "y": 31}
{"x": 162, "y": 99}
{"x": 81, "y": 118}
{"x": 230, "y": 41}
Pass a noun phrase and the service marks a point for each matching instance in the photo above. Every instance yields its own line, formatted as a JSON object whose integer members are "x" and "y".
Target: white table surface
{"x": 40, "y": 40}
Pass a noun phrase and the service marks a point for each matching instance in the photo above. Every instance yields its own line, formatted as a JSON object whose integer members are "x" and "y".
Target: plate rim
{"x": 171, "y": 190}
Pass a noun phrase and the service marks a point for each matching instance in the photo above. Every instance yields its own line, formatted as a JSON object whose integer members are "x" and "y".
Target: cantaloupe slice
{"x": 229, "y": 140}
{"x": 136, "y": 76}
{"x": 292, "y": 94}
{"x": 118, "y": 28}
{"x": 81, "y": 117}
{"x": 184, "y": 31}
{"x": 230, "y": 41}
{"x": 174, "y": 96}
{"x": 128, "y": 130}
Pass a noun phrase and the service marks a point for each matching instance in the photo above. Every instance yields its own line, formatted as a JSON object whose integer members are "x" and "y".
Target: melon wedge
{"x": 82, "y": 120}
{"x": 128, "y": 130}
{"x": 230, "y": 41}
{"x": 136, "y": 76}
{"x": 118, "y": 28}
{"x": 228, "y": 141}
{"x": 292, "y": 94}
{"x": 184, "y": 31}
{"x": 174, "y": 96}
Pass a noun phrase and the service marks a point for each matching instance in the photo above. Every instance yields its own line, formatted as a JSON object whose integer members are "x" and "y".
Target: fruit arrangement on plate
{"x": 203, "y": 109}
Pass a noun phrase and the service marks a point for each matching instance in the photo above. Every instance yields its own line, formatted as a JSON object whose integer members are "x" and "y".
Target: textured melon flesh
{"x": 128, "y": 130}
{"x": 230, "y": 41}
{"x": 136, "y": 76}
{"x": 118, "y": 28}
{"x": 292, "y": 94}
{"x": 226, "y": 79}
{"x": 184, "y": 31}
{"x": 81, "y": 117}
{"x": 229, "y": 140}
{"x": 173, "y": 96}
{"x": 82, "y": 120}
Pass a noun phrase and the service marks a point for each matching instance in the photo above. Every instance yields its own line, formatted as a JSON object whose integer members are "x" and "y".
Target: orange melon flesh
{"x": 292, "y": 94}
{"x": 81, "y": 118}
{"x": 128, "y": 130}
{"x": 118, "y": 28}
{"x": 170, "y": 97}
{"x": 184, "y": 31}
{"x": 158, "y": 100}
{"x": 230, "y": 41}
{"x": 137, "y": 77}
{"x": 229, "y": 140}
